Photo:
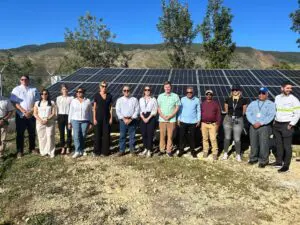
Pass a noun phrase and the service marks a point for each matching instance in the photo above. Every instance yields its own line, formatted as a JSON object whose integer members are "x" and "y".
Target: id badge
{"x": 258, "y": 115}
{"x": 233, "y": 117}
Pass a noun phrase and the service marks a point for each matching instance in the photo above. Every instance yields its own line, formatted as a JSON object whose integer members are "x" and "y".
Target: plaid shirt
{"x": 167, "y": 105}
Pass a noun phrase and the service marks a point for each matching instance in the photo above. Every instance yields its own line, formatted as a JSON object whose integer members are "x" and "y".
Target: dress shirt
{"x": 189, "y": 111}
{"x": 211, "y": 112}
{"x": 127, "y": 107}
{"x": 167, "y": 104}
{"x": 5, "y": 106}
{"x": 44, "y": 110}
{"x": 262, "y": 112}
{"x": 149, "y": 105}
{"x": 288, "y": 109}
{"x": 25, "y": 96}
{"x": 80, "y": 111}
{"x": 63, "y": 104}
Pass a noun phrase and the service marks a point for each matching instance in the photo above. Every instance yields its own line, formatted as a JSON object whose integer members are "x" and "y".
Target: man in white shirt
{"x": 287, "y": 116}
{"x": 127, "y": 109}
{"x": 23, "y": 98}
{"x": 6, "y": 111}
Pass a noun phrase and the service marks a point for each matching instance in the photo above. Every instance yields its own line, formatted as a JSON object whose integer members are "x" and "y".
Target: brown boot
{"x": 205, "y": 154}
{"x": 215, "y": 157}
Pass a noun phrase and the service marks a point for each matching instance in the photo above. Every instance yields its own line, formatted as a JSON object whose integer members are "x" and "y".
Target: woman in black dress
{"x": 102, "y": 119}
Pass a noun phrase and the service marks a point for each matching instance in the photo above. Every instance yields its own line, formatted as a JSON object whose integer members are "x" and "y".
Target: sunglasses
{"x": 209, "y": 94}
{"x": 126, "y": 90}
{"x": 189, "y": 92}
{"x": 79, "y": 91}
{"x": 146, "y": 89}
{"x": 262, "y": 93}
{"x": 235, "y": 90}
{"x": 104, "y": 86}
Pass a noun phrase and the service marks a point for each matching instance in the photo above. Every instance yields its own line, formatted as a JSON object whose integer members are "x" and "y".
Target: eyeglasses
{"x": 126, "y": 90}
{"x": 79, "y": 91}
{"x": 189, "y": 92}
{"x": 146, "y": 89}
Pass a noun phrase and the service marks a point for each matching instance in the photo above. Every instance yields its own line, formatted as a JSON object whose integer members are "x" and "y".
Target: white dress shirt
{"x": 5, "y": 106}
{"x": 148, "y": 105}
{"x": 25, "y": 96}
{"x": 80, "y": 111}
{"x": 63, "y": 104}
{"x": 127, "y": 107}
{"x": 44, "y": 110}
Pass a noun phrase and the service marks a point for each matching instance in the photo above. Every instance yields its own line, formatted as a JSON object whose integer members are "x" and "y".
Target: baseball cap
{"x": 263, "y": 89}
{"x": 209, "y": 91}
{"x": 236, "y": 87}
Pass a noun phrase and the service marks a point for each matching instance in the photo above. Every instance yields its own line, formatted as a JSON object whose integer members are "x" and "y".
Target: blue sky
{"x": 262, "y": 24}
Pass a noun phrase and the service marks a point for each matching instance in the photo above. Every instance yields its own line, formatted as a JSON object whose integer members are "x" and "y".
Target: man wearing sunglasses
{"x": 23, "y": 98}
{"x": 287, "y": 116}
{"x": 260, "y": 114}
{"x": 127, "y": 109}
{"x": 188, "y": 119}
{"x": 210, "y": 123}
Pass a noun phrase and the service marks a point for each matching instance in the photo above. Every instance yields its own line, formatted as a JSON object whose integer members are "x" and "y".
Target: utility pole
{"x": 1, "y": 81}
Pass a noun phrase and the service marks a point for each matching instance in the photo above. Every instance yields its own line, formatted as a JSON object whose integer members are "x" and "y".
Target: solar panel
{"x": 219, "y": 81}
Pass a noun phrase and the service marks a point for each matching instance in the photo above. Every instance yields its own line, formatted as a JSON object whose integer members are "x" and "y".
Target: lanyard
{"x": 234, "y": 105}
{"x": 260, "y": 107}
{"x": 146, "y": 103}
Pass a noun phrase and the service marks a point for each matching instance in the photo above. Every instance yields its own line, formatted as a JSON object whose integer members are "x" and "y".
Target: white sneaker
{"x": 76, "y": 155}
{"x": 143, "y": 153}
{"x": 84, "y": 154}
{"x": 149, "y": 154}
{"x": 239, "y": 158}
{"x": 225, "y": 156}
{"x": 52, "y": 155}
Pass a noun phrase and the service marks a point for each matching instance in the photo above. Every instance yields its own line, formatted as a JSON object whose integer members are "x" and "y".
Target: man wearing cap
{"x": 211, "y": 120}
{"x": 287, "y": 116}
{"x": 260, "y": 113}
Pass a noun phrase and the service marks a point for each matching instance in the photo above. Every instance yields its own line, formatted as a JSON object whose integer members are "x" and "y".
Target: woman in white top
{"x": 148, "y": 107}
{"x": 80, "y": 119}
{"x": 63, "y": 107}
{"x": 44, "y": 112}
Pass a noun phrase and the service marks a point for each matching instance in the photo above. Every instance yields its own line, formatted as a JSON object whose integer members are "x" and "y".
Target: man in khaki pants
{"x": 168, "y": 106}
{"x": 6, "y": 111}
{"x": 211, "y": 120}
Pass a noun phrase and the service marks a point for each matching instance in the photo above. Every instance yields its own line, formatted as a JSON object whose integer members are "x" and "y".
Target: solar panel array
{"x": 219, "y": 81}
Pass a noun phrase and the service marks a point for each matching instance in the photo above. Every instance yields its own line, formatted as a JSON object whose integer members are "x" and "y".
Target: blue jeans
{"x": 130, "y": 128}
{"x": 79, "y": 133}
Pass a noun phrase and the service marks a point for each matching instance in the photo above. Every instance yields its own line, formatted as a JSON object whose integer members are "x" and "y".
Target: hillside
{"x": 153, "y": 56}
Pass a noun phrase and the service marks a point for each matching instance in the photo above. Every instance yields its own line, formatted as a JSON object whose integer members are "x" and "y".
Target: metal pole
{"x": 1, "y": 83}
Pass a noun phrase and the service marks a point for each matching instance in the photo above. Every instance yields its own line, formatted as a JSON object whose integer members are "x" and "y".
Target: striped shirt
{"x": 288, "y": 109}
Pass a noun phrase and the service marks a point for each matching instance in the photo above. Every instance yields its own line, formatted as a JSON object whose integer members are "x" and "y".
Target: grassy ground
{"x": 136, "y": 190}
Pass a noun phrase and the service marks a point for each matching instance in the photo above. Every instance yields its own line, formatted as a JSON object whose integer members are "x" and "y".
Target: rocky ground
{"x": 136, "y": 190}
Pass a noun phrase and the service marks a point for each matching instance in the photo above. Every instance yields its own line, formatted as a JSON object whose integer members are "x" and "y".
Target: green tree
{"x": 92, "y": 41}
{"x": 177, "y": 29}
{"x": 281, "y": 66}
{"x": 295, "y": 16}
{"x": 216, "y": 30}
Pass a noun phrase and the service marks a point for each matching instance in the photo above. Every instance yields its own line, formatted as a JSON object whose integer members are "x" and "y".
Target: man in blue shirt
{"x": 260, "y": 113}
{"x": 188, "y": 120}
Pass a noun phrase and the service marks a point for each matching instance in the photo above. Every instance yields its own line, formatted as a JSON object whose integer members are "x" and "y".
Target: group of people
{"x": 36, "y": 113}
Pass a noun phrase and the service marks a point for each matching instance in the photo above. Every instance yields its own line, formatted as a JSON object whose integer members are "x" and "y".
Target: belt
{"x": 282, "y": 122}
{"x": 209, "y": 122}
{"x": 127, "y": 117}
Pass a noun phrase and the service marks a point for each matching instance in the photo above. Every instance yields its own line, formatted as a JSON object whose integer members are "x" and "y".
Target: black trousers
{"x": 187, "y": 132}
{"x": 102, "y": 138}
{"x": 23, "y": 124}
{"x": 284, "y": 138}
{"x": 148, "y": 131}
{"x": 62, "y": 121}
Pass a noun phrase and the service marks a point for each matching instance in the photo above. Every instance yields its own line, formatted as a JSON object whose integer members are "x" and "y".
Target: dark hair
{"x": 167, "y": 83}
{"x": 25, "y": 76}
{"x": 64, "y": 86}
{"x": 83, "y": 90}
{"x": 48, "y": 98}
{"x": 285, "y": 83}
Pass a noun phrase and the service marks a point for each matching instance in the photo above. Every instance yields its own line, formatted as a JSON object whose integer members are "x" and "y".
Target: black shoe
{"x": 161, "y": 154}
{"x": 180, "y": 153}
{"x": 276, "y": 164}
{"x": 194, "y": 154}
{"x": 252, "y": 162}
{"x": 283, "y": 169}
{"x": 170, "y": 154}
{"x": 261, "y": 165}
